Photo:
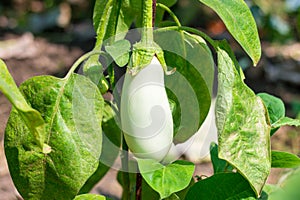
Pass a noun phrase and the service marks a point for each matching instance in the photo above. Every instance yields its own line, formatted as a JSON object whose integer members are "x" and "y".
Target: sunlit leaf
{"x": 119, "y": 51}
{"x": 284, "y": 160}
{"x": 169, "y": 179}
{"x": 286, "y": 121}
{"x": 242, "y": 123}
{"x": 31, "y": 117}
{"x": 240, "y": 23}
{"x": 72, "y": 109}
{"x": 275, "y": 107}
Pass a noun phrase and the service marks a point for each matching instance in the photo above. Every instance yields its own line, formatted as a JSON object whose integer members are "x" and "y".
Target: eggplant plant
{"x": 64, "y": 134}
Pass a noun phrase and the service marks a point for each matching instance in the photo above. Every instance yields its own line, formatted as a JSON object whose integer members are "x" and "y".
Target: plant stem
{"x": 169, "y": 11}
{"x": 153, "y": 12}
{"x": 80, "y": 60}
{"x": 147, "y": 34}
{"x": 126, "y": 180}
{"x": 138, "y": 193}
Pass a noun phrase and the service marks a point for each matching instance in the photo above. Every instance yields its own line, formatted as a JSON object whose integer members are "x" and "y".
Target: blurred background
{"x": 46, "y": 37}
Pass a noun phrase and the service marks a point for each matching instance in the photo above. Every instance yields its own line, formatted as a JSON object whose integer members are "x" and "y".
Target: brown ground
{"x": 35, "y": 56}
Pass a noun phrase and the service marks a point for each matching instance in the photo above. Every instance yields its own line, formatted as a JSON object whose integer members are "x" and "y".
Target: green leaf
{"x": 275, "y": 107}
{"x": 147, "y": 192}
{"x": 191, "y": 84}
{"x": 284, "y": 160}
{"x": 94, "y": 178}
{"x": 242, "y": 123}
{"x": 240, "y": 23}
{"x": 112, "y": 136}
{"x": 276, "y": 111}
{"x": 90, "y": 197}
{"x": 72, "y": 109}
{"x": 110, "y": 148}
{"x": 119, "y": 51}
{"x": 93, "y": 69}
{"x": 169, "y": 179}
{"x": 286, "y": 121}
{"x": 222, "y": 186}
{"x": 219, "y": 165}
{"x": 112, "y": 19}
{"x": 31, "y": 117}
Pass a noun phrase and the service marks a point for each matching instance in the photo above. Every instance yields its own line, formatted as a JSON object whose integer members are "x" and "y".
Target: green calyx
{"x": 143, "y": 51}
{"x": 142, "y": 55}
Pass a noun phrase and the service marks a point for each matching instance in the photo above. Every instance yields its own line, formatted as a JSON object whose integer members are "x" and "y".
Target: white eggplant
{"x": 146, "y": 116}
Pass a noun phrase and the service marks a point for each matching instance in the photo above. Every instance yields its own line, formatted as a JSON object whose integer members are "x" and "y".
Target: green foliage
{"x": 240, "y": 23}
{"x": 219, "y": 165}
{"x": 284, "y": 160}
{"x": 275, "y": 107}
{"x": 221, "y": 186}
{"x": 90, "y": 197}
{"x": 286, "y": 121}
{"x": 112, "y": 141}
{"x": 276, "y": 112}
{"x": 169, "y": 179}
{"x": 72, "y": 132}
{"x": 119, "y": 51}
{"x": 61, "y": 137}
{"x": 193, "y": 61}
{"x": 32, "y": 118}
{"x": 241, "y": 121}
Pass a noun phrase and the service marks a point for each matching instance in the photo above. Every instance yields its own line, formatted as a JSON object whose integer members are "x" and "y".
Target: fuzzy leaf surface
{"x": 242, "y": 123}
{"x": 72, "y": 110}
{"x": 239, "y": 21}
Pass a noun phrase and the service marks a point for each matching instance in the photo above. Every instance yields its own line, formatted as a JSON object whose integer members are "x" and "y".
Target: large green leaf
{"x": 169, "y": 179}
{"x": 242, "y": 123}
{"x": 31, "y": 117}
{"x": 190, "y": 87}
{"x": 222, "y": 186}
{"x": 72, "y": 110}
{"x": 240, "y": 23}
{"x": 284, "y": 160}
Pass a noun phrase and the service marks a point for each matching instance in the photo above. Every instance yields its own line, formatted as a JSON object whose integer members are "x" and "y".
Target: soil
{"x": 29, "y": 56}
